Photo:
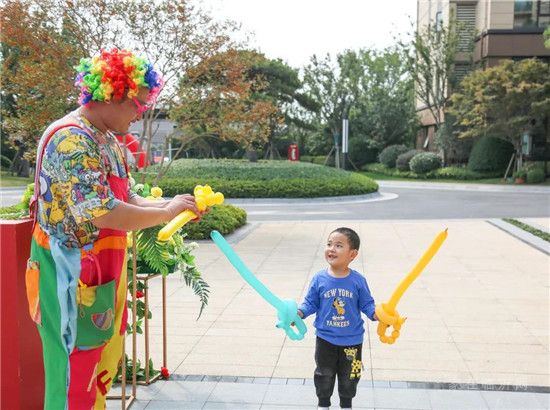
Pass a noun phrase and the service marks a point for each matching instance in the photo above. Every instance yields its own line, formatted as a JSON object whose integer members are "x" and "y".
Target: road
{"x": 395, "y": 200}
{"x": 410, "y": 201}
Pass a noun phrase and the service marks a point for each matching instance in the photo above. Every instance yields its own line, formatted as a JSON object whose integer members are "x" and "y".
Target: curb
{"x": 372, "y": 197}
{"x": 544, "y": 190}
{"x": 388, "y": 384}
{"x": 542, "y": 228}
{"x": 524, "y": 236}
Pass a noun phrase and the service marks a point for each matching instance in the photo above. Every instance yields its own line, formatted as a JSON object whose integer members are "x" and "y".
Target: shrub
{"x": 490, "y": 154}
{"x": 264, "y": 179}
{"x": 389, "y": 155}
{"x": 442, "y": 173}
{"x": 224, "y": 218}
{"x": 535, "y": 176}
{"x": 5, "y": 162}
{"x": 461, "y": 174}
{"x": 363, "y": 151}
{"x": 403, "y": 160}
{"x": 347, "y": 184}
{"x": 12, "y": 212}
{"x": 425, "y": 162}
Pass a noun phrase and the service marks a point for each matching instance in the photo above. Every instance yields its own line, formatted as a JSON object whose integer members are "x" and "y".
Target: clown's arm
{"x": 128, "y": 217}
{"x": 135, "y": 199}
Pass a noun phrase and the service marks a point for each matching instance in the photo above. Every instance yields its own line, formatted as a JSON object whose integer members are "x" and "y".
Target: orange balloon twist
{"x": 387, "y": 318}
{"x": 386, "y": 313}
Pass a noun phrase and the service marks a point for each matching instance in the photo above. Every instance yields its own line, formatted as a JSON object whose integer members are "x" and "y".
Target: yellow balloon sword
{"x": 204, "y": 197}
{"x": 386, "y": 313}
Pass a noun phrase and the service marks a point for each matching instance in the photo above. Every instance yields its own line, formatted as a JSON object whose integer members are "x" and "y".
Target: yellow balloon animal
{"x": 204, "y": 197}
{"x": 386, "y": 313}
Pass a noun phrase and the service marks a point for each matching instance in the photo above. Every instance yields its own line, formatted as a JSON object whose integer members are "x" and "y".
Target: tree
{"x": 431, "y": 57}
{"x": 173, "y": 35}
{"x": 457, "y": 150}
{"x": 332, "y": 86}
{"x": 385, "y": 111}
{"x": 504, "y": 101}
{"x": 217, "y": 101}
{"x": 547, "y": 37}
{"x": 281, "y": 86}
{"x": 37, "y": 75}
{"x": 373, "y": 89}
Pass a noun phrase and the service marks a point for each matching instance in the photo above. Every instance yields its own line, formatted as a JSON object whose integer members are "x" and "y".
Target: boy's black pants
{"x": 332, "y": 360}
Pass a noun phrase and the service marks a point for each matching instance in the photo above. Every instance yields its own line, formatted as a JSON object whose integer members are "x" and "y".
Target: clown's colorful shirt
{"x": 73, "y": 181}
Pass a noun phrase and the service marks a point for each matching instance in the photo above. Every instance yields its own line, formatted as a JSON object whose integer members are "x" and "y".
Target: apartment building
{"x": 505, "y": 29}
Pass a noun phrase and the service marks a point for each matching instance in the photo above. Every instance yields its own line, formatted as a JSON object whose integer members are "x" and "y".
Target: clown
{"x": 76, "y": 275}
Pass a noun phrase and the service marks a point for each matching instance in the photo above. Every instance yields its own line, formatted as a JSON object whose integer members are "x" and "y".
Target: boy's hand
{"x": 375, "y": 317}
{"x": 301, "y": 314}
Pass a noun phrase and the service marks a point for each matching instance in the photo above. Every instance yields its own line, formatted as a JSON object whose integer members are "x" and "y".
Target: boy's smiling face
{"x": 338, "y": 252}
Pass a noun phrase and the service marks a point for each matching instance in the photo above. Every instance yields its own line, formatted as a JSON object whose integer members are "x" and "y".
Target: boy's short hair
{"x": 352, "y": 236}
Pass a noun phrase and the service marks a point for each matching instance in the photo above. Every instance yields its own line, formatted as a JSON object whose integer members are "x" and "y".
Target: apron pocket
{"x": 95, "y": 314}
{"x": 32, "y": 282}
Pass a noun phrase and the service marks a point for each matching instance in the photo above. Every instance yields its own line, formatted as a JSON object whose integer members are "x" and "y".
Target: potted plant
{"x": 153, "y": 258}
{"x": 520, "y": 176}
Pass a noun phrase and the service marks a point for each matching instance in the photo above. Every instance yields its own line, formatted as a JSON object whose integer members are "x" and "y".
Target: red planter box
{"x": 21, "y": 368}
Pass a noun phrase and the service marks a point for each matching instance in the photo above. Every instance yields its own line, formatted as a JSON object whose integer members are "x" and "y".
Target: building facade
{"x": 504, "y": 29}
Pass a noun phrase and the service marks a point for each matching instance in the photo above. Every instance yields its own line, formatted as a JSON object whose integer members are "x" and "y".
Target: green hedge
{"x": 224, "y": 218}
{"x": 457, "y": 173}
{"x": 463, "y": 174}
{"x": 490, "y": 154}
{"x": 264, "y": 179}
{"x": 351, "y": 184}
{"x": 244, "y": 170}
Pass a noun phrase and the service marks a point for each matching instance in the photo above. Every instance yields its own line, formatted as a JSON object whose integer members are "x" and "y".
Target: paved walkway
{"x": 478, "y": 321}
{"x": 167, "y": 395}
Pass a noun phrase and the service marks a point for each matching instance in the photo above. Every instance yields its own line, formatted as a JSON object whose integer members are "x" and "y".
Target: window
{"x": 461, "y": 71}
{"x": 531, "y": 13}
{"x": 466, "y": 19}
{"x": 439, "y": 20}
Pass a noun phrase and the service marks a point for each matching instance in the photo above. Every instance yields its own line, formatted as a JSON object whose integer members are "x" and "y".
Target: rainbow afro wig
{"x": 114, "y": 75}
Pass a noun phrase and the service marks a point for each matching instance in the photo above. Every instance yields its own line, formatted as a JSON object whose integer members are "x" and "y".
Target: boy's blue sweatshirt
{"x": 338, "y": 303}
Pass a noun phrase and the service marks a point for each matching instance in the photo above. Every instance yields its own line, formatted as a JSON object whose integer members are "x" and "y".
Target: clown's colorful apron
{"x": 78, "y": 377}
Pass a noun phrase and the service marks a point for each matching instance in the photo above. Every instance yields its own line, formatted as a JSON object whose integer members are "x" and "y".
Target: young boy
{"x": 338, "y": 295}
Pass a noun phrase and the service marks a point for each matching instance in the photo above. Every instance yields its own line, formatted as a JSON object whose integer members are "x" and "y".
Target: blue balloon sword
{"x": 287, "y": 309}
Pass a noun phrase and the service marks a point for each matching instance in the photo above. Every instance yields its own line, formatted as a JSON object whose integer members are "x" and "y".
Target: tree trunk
{"x": 252, "y": 155}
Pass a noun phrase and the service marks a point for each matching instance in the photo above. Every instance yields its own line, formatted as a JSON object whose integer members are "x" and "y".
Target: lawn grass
{"x": 528, "y": 228}
{"x": 7, "y": 180}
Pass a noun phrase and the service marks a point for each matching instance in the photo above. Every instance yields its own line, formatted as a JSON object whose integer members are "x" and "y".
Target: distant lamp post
{"x": 345, "y": 138}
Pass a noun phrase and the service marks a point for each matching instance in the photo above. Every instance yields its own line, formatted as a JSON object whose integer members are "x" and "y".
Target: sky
{"x": 294, "y": 30}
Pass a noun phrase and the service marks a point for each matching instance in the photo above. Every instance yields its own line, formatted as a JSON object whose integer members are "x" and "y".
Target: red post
{"x": 21, "y": 368}
{"x": 293, "y": 152}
